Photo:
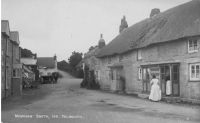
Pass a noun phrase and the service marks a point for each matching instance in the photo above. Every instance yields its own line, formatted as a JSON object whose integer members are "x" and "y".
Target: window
{"x": 98, "y": 75}
{"x": 139, "y": 54}
{"x": 111, "y": 75}
{"x": 16, "y": 73}
{"x": 139, "y": 73}
{"x": 192, "y": 46}
{"x": 195, "y": 71}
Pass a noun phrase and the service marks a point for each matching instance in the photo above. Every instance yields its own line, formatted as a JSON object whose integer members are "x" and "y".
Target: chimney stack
{"x": 154, "y": 12}
{"x": 101, "y": 42}
{"x": 55, "y": 57}
{"x": 35, "y": 56}
{"x": 123, "y": 25}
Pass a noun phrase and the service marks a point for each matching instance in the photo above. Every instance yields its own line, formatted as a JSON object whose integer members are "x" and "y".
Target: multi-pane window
{"x": 192, "y": 46}
{"x": 111, "y": 75}
{"x": 195, "y": 71}
{"x": 98, "y": 75}
{"x": 16, "y": 73}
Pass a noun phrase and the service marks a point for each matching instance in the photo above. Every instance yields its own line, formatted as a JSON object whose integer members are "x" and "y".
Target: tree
{"x": 75, "y": 58}
{"x": 63, "y": 65}
{"x": 26, "y": 53}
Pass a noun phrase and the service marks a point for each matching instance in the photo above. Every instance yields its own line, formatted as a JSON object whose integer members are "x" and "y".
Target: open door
{"x": 175, "y": 80}
{"x": 170, "y": 72}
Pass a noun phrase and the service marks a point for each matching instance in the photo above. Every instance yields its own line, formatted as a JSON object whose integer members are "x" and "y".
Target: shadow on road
{"x": 28, "y": 96}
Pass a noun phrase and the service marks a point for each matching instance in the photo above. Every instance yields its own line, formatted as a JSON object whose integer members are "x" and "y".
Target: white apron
{"x": 168, "y": 87}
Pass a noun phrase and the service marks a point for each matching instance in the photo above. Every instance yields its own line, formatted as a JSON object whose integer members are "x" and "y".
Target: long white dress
{"x": 155, "y": 93}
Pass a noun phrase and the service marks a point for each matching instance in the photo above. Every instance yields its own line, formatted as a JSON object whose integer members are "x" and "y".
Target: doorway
{"x": 169, "y": 78}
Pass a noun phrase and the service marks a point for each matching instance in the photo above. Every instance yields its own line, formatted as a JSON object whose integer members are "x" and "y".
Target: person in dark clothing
{"x": 55, "y": 76}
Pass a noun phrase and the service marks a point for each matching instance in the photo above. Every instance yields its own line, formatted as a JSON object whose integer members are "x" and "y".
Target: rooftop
{"x": 175, "y": 23}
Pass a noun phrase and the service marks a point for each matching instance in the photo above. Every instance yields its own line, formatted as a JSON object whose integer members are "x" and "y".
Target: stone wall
{"x": 174, "y": 51}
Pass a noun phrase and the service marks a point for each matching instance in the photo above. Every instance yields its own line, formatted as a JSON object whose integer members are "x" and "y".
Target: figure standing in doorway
{"x": 168, "y": 86}
{"x": 155, "y": 94}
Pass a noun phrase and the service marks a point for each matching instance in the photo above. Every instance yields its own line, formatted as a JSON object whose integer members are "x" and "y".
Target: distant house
{"x": 47, "y": 66}
{"x": 11, "y": 83}
{"x": 166, "y": 44}
{"x": 91, "y": 65}
{"x": 31, "y": 63}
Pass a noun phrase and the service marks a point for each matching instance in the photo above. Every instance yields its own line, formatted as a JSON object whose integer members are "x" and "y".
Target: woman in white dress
{"x": 155, "y": 94}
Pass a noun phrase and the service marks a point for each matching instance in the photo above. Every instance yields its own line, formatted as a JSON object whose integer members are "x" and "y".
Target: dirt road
{"x": 66, "y": 102}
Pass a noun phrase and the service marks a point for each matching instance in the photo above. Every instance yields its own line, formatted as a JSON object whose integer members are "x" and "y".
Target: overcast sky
{"x": 49, "y": 27}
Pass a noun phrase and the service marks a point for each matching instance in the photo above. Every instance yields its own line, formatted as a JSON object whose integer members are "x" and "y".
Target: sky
{"x": 49, "y": 27}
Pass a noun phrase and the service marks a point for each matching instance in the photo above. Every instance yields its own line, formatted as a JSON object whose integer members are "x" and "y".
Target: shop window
{"x": 139, "y": 54}
{"x": 192, "y": 46}
{"x": 195, "y": 72}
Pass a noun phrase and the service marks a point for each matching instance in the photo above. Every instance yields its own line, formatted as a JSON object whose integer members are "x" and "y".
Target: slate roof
{"x": 14, "y": 36}
{"x": 178, "y": 22}
{"x": 5, "y": 27}
{"x": 47, "y": 62}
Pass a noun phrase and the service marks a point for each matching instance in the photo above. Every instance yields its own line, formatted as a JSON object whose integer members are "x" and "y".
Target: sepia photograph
{"x": 100, "y": 61}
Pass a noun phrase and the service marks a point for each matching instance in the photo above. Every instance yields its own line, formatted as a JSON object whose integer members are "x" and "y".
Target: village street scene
{"x": 100, "y": 61}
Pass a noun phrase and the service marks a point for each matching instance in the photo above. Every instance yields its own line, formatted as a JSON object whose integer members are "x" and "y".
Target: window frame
{"x": 195, "y": 72}
{"x": 17, "y": 73}
{"x": 194, "y": 50}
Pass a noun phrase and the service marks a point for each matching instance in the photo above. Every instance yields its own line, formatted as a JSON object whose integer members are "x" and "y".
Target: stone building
{"x": 91, "y": 65}
{"x": 166, "y": 45}
{"x": 11, "y": 83}
{"x": 31, "y": 63}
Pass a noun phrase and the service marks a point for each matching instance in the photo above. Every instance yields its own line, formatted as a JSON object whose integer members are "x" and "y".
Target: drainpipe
{"x": 12, "y": 71}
